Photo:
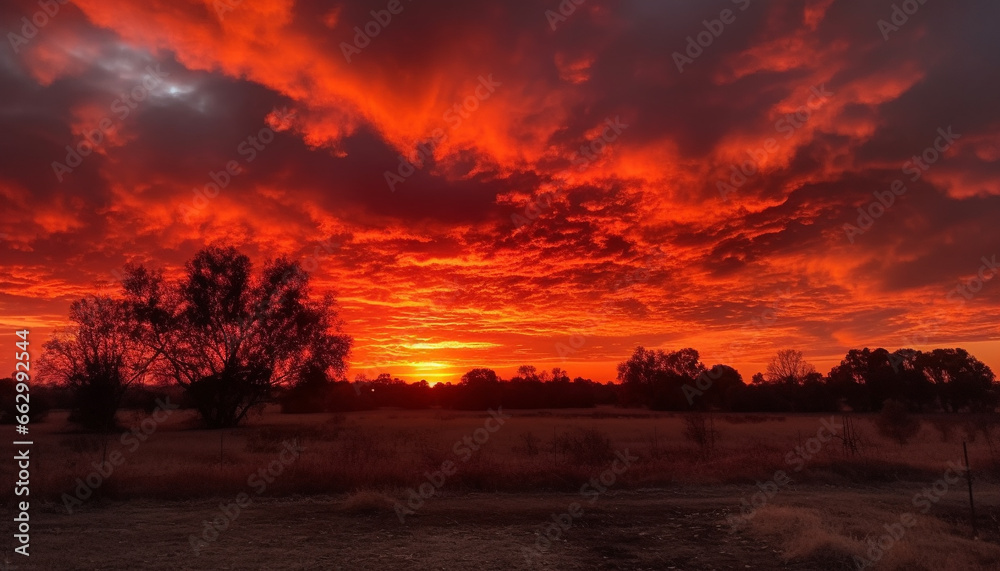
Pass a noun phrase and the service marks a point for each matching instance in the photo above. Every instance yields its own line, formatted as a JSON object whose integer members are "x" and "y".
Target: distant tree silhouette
{"x": 655, "y": 378}
{"x": 866, "y": 378}
{"x": 477, "y": 377}
{"x": 310, "y": 393}
{"x": 230, "y": 336}
{"x": 531, "y": 390}
{"x": 480, "y": 389}
{"x": 863, "y": 381}
{"x": 98, "y": 357}
{"x": 527, "y": 373}
{"x": 814, "y": 395}
{"x": 559, "y": 375}
{"x": 788, "y": 367}
{"x": 726, "y": 389}
{"x": 911, "y": 385}
{"x": 961, "y": 381}
{"x": 943, "y": 379}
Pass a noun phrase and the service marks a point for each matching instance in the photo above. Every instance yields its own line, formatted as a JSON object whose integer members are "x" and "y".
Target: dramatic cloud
{"x": 522, "y": 182}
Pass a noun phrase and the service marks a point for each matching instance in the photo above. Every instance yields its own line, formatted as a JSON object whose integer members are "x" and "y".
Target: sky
{"x": 490, "y": 184}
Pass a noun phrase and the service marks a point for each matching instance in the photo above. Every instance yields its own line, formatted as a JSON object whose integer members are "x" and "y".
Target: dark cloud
{"x": 445, "y": 237}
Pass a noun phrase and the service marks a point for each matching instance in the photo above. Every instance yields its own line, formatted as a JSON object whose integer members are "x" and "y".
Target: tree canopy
{"x": 229, "y": 335}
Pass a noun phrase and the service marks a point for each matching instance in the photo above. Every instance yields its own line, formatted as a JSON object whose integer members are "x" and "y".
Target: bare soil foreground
{"x": 684, "y": 528}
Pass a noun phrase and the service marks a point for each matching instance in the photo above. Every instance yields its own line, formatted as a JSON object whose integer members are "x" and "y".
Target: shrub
{"x": 585, "y": 447}
{"x": 896, "y": 423}
{"x": 529, "y": 444}
{"x": 700, "y": 429}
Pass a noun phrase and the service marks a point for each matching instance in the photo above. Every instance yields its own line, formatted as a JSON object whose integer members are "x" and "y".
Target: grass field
{"x": 401, "y": 489}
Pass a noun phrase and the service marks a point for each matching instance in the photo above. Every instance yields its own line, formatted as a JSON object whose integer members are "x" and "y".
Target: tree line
{"x": 226, "y": 339}
{"x": 942, "y": 380}
{"x": 946, "y": 380}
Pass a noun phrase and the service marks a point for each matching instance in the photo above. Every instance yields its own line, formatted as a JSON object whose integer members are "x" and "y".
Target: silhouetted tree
{"x": 229, "y": 336}
{"x": 911, "y": 385}
{"x": 815, "y": 395}
{"x": 527, "y": 373}
{"x": 961, "y": 381}
{"x": 788, "y": 367}
{"x": 866, "y": 378}
{"x": 559, "y": 375}
{"x": 98, "y": 357}
{"x": 480, "y": 377}
{"x": 944, "y": 379}
{"x": 480, "y": 389}
{"x": 727, "y": 386}
{"x": 310, "y": 393}
{"x": 656, "y": 378}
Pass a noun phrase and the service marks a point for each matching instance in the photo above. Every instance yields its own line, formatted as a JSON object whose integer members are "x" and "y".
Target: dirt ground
{"x": 683, "y": 528}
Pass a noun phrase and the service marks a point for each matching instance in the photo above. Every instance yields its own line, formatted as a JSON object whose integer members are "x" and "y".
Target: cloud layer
{"x": 504, "y": 183}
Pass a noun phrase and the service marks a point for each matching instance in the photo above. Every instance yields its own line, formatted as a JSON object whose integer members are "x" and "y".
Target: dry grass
{"x": 367, "y": 502}
{"x": 534, "y": 450}
{"x": 806, "y": 534}
{"x": 669, "y": 509}
{"x": 834, "y": 534}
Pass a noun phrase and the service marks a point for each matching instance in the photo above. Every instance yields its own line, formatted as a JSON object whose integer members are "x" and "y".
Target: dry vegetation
{"x": 358, "y": 465}
{"x": 534, "y": 450}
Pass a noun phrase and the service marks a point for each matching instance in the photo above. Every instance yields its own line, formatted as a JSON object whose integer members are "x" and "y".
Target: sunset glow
{"x": 483, "y": 186}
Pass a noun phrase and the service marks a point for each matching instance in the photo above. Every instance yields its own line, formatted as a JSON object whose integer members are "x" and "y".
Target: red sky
{"x": 631, "y": 244}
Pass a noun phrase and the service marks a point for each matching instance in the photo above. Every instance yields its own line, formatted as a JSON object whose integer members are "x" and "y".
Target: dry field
{"x": 346, "y": 496}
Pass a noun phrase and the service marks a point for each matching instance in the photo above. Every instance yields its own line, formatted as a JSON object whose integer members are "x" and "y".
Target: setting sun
{"x": 687, "y": 284}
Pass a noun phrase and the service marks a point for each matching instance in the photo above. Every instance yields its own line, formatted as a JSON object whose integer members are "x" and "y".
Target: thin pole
{"x": 554, "y": 444}
{"x": 968, "y": 478}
